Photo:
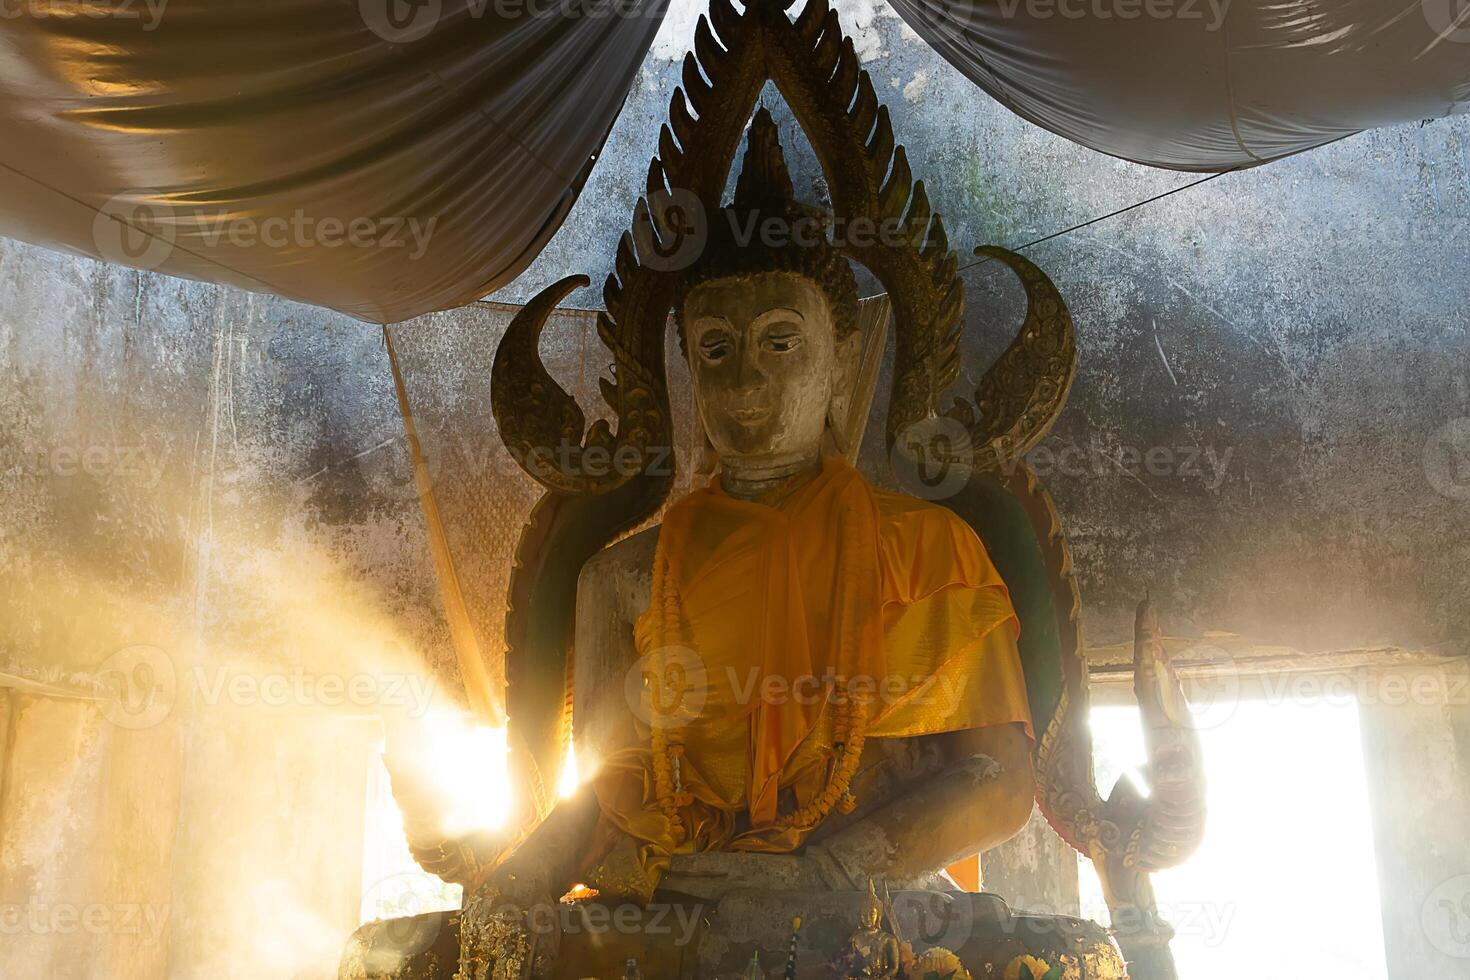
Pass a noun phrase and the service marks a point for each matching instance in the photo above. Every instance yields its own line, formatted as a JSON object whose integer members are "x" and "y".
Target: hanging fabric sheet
{"x": 383, "y": 158}
{"x": 1207, "y": 84}
{"x": 386, "y": 158}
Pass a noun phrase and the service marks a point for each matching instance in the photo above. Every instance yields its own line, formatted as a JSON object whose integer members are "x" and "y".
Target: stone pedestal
{"x": 682, "y": 937}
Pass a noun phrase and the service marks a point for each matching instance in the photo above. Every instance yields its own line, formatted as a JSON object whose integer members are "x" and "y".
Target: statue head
{"x": 767, "y": 317}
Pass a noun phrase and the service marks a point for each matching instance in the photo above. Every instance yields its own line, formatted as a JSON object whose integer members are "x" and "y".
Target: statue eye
{"x": 781, "y": 343}
{"x": 714, "y": 346}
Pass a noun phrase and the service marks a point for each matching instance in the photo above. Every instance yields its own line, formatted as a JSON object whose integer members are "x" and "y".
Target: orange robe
{"x": 769, "y": 616}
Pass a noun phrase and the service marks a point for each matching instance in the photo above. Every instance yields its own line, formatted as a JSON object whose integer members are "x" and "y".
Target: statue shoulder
{"x": 621, "y": 573}
{"x": 928, "y": 547}
{"x": 902, "y": 514}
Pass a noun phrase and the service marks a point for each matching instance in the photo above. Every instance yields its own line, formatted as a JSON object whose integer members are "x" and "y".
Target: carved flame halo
{"x": 816, "y": 70}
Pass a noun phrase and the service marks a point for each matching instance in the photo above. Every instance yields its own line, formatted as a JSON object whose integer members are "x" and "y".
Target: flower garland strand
{"x": 850, "y": 717}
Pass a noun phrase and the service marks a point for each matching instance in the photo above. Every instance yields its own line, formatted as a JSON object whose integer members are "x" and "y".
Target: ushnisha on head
{"x": 872, "y": 914}
{"x": 769, "y": 324}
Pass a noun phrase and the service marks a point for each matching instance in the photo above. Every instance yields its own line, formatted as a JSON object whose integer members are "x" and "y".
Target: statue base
{"x": 682, "y": 936}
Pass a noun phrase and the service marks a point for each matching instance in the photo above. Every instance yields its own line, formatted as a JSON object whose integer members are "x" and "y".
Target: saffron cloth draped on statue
{"x": 837, "y": 613}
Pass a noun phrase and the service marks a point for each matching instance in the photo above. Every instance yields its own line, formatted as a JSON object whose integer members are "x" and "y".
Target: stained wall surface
{"x": 214, "y": 576}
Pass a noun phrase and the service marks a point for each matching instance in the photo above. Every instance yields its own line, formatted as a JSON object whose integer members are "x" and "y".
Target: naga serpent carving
{"x": 588, "y": 502}
{"x": 604, "y": 480}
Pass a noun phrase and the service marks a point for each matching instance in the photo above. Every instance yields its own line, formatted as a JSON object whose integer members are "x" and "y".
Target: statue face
{"x": 765, "y": 364}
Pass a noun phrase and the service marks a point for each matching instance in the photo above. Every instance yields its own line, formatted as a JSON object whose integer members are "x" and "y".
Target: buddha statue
{"x": 870, "y": 952}
{"x": 828, "y": 672}
{"x": 799, "y": 596}
{"x": 794, "y": 681}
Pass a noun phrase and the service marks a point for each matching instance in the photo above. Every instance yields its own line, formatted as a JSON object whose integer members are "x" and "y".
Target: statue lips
{"x": 750, "y": 416}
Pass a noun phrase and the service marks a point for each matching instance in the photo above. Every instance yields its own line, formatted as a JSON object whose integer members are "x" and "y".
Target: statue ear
{"x": 708, "y": 461}
{"x": 848, "y": 353}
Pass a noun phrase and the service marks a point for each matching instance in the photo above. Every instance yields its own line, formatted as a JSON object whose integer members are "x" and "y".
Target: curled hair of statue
{"x": 734, "y": 247}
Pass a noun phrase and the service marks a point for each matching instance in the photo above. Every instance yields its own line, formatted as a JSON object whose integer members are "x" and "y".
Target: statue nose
{"x": 749, "y": 374}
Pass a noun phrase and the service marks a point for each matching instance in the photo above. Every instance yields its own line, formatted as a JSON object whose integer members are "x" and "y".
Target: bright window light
{"x": 1285, "y": 884}
{"x": 393, "y": 885}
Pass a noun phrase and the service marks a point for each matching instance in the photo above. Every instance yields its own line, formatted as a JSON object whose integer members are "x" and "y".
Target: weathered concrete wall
{"x": 221, "y": 477}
